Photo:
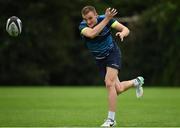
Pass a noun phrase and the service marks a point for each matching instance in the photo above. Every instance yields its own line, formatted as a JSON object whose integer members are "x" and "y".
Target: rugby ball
{"x": 14, "y": 26}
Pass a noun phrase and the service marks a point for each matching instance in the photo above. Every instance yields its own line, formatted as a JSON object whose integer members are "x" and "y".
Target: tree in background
{"x": 50, "y": 51}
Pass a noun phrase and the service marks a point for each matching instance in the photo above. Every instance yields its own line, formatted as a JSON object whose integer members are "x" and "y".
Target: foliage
{"x": 50, "y": 50}
{"x": 158, "y": 43}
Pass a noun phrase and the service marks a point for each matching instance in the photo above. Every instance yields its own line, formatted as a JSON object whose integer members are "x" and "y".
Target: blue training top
{"x": 101, "y": 45}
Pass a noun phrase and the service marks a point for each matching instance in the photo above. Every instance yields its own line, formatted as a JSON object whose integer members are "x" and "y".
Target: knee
{"x": 109, "y": 83}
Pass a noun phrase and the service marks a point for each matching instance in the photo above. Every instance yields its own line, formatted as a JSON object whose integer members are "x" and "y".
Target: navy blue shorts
{"x": 113, "y": 60}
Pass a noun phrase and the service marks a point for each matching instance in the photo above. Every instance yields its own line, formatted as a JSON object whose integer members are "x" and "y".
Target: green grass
{"x": 83, "y": 106}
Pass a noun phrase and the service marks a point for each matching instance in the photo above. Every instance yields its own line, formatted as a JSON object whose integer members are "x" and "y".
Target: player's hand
{"x": 120, "y": 35}
{"x": 110, "y": 13}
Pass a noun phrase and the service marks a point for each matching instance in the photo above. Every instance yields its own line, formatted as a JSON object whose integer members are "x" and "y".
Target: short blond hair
{"x": 88, "y": 9}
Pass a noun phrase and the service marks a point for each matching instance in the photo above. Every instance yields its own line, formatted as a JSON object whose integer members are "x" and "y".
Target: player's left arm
{"x": 123, "y": 31}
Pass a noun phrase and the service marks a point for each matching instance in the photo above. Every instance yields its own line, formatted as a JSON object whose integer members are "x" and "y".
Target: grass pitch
{"x": 86, "y": 107}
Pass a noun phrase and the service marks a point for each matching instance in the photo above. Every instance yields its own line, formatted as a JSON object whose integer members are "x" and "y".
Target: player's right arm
{"x": 93, "y": 32}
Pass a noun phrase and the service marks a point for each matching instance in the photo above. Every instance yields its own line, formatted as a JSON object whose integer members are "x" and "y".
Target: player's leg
{"x": 110, "y": 81}
{"x": 125, "y": 85}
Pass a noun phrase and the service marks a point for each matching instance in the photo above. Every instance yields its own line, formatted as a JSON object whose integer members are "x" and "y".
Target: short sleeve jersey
{"x": 101, "y": 45}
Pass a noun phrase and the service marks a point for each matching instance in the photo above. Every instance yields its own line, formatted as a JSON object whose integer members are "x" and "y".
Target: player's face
{"x": 90, "y": 18}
